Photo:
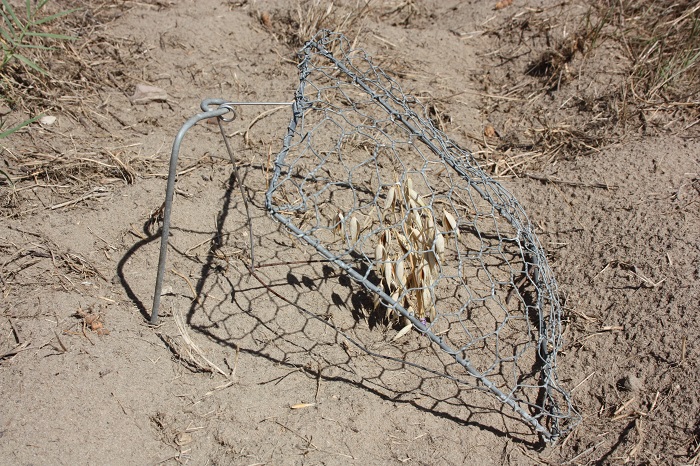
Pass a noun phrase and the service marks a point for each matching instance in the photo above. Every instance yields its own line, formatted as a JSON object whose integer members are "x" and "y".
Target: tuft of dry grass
{"x": 567, "y": 80}
{"x": 297, "y": 25}
{"x": 663, "y": 40}
{"x": 77, "y": 74}
{"x": 88, "y": 63}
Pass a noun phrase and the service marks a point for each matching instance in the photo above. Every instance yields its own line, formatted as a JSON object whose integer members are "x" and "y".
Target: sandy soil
{"x": 85, "y": 380}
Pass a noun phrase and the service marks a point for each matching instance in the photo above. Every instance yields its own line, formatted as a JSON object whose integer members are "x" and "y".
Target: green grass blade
{"x": 29, "y": 10}
{"x": 6, "y": 133}
{"x": 29, "y": 63}
{"x": 12, "y": 14}
{"x": 32, "y": 46}
{"x": 9, "y": 180}
{"x": 46, "y": 19}
{"x": 50, "y": 35}
{"x": 7, "y": 20}
{"x": 6, "y": 35}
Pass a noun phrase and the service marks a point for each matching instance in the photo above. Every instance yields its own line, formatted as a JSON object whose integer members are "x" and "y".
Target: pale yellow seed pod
{"x": 432, "y": 262}
{"x": 429, "y": 221}
{"x": 398, "y": 194}
{"x": 379, "y": 252}
{"x": 403, "y": 331}
{"x": 408, "y": 276}
{"x": 427, "y": 299}
{"x": 403, "y": 242}
{"x": 428, "y": 274}
{"x": 413, "y": 195}
{"x": 386, "y": 237}
{"x": 338, "y": 223}
{"x": 407, "y": 192}
{"x": 390, "y": 198}
{"x": 420, "y": 309}
{"x": 389, "y": 274}
{"x": 354, "y": 229}
{"x": 439, "y": 244}
{"x": 416, "y": 277}
{"x": 450, "y": 222}
{"x": 400, "y": 273}
{"x": 417, "y": 222}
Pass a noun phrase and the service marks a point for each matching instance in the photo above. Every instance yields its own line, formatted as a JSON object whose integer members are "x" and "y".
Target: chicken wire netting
{"x": 367, "y": 179}
{"x": 448, "y": 261}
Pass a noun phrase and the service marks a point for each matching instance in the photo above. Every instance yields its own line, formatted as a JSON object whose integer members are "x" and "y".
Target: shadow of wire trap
{"x": 450, "y": 304}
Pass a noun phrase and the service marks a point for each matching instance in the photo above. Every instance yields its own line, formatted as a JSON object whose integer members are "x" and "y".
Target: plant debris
{"x": 92, "y": 321}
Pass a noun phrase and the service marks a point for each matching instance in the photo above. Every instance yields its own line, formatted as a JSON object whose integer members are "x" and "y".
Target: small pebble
{"x": 631, "y": 383}
{"x": 47, "y": 120}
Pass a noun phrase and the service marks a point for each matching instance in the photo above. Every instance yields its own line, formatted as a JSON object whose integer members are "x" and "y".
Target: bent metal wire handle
{"x": 366, "y": 178}
{"x": 212, "y": 108}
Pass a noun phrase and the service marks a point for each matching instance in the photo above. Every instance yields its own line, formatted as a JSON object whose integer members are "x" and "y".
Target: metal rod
{"x": 236, "y": 104}
{"x": 172, "y": 174}
{"x": 224, "y": 107}
{"x": 239, "y": 180}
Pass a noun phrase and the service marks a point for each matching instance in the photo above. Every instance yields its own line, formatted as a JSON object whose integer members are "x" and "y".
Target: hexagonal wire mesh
{"x": 367, "y": 180}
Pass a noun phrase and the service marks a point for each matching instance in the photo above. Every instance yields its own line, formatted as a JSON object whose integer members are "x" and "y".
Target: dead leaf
{"x": 266, "y": 19}
{"x": 402, "y": 332}
{"x": 503, "y": 4}
{"x": 47, "y": 120}
{"x": 144, "y": 94}
{"x": 93, "y": 321}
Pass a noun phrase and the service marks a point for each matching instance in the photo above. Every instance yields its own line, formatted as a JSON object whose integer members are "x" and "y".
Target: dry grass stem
{"x": 192, "y": 347}
{"x": 195, "y": 296}
{"x": 261, "y": 116}
{"x": 60, "y": 342}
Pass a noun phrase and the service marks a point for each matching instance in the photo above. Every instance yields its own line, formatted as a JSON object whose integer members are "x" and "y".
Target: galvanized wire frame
{"x": 366, "y": 178}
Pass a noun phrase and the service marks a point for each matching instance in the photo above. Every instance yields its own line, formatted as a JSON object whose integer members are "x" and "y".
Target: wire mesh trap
{"x": 366, "y": 179}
